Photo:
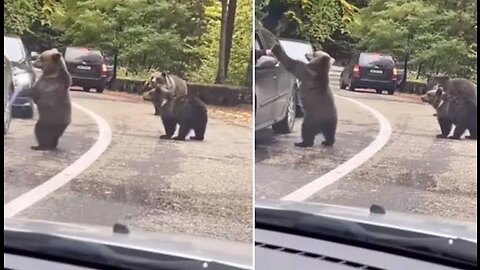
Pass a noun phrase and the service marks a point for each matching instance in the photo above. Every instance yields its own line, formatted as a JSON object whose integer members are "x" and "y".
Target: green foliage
{"x": 241, "y": 49}
{"x": 147, "y": 34}
{"x": 20, "y": 15}
{"x": 209, "y": 46}
{"x": 437, "y": 35}
{"x": 242, "y": 43}
{"x": 178, "y": 36}
{"x": 314, "y": 20}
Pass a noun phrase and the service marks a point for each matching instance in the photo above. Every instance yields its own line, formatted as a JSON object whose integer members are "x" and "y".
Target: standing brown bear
{"x": 51, "y": 94}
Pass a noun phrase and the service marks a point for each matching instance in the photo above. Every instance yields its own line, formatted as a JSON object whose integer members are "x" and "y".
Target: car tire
{"x": 391, "y": 92}
{"x": 351, "y": 87}
{"x": 100, "y": 90}
{"x": 379, "y": 91}
{"x": 299, "y": 111}
{"x": 343, "y": 86}
{"x": 86, "y": 89}
{"x": 286, "y": 125}
{"x": 299, "y": 106}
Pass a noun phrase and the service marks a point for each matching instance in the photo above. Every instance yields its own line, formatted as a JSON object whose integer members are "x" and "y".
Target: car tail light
{"x": 394, "y": 74}
{"x": 104, "y": 70}
{"x": 356, "y": 71}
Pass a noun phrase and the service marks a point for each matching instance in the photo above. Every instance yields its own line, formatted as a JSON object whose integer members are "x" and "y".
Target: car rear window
{"x": 372, "y": 59}
{"x": 83, "y": 54}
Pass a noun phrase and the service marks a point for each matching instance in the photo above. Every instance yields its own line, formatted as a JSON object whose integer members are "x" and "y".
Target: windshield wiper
{"x": 453, "y": 252}
{"x": 95, "y": 255}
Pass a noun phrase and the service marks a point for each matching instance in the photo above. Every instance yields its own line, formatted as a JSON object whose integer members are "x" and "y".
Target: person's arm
{"x": 297, "y": 68}
{"x": 259, "y": 53}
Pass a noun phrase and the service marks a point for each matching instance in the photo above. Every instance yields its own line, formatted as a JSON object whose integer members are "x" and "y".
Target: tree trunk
{"x": 432, "y": 68}
{"x": 405, "y": 72}
{"x": 221, "y": 52}
{"x": 232, "y": 9}
{"x": 419, "y": 70}
{"x": 249, "y": 75}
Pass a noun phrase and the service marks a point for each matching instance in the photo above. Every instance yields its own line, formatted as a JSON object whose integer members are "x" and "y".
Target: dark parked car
{"x": 23, "y": 72}
{"x": 90, "y": 68}
{"x": 371, "y": 71}
{"x": 275, "y": 92}
{"x": 297, "y": 49}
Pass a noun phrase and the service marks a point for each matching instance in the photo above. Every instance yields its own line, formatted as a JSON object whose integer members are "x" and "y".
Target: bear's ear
{"x": 56, "y": 56}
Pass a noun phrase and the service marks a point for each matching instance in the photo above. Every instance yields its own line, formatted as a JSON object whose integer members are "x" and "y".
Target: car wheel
{"x": 86, "y": 89}
{"x": 299, "y": 111}
{"x": 351, "y": 87}
{"x": 391, "y": 92}
{"x": 100, "y": 90}
{"x": 286, "y": 125}
{"x": 299, "y": 106}
{"x": 379, "y": 91}
{"x": 343, "y": 85}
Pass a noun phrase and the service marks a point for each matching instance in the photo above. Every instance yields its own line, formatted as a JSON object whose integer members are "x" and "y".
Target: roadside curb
{"x": 213, "y": 94}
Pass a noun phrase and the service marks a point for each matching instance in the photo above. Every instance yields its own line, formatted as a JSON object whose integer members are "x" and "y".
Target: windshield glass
{"x": 13, "y": 49}
{"x": 177, "y": 117}
{"x": 142, "y": 129}
{"x": 297, "y": 50}
{"x": 381, "y": 138}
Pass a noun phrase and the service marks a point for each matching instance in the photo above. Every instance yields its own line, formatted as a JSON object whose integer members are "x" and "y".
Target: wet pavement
{"x": 200, "y": 188}
{"x": 414, "y": 172}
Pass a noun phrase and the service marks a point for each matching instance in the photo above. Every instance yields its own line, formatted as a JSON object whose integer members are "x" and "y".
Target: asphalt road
{"x": 414, "y": 172}
{"x": 200, "y": 188}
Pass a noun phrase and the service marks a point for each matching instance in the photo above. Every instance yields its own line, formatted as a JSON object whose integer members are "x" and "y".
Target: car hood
{"x": 226, "y": 252}
{"x": 411, "y": 222}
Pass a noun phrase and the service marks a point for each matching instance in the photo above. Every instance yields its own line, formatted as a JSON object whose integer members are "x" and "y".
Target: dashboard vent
{"x": 317, "y": 256}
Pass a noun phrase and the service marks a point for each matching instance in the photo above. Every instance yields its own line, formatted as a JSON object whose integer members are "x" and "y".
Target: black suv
{"x": 371, "y": 71}
{"x": 89, "y": 68}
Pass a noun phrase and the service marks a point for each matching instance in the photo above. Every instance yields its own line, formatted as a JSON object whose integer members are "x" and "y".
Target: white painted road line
{"x": 332, "y": 176}
{"x": 40, "y": 192}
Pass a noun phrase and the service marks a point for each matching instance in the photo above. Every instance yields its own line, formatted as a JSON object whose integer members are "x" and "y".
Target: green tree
{"x": 437, "y": 35}
{"x": 221, "y": 70}
{"x": 19, "y": 16}
{"x": 210, "y": 44}
{"x": 314, "y": 20}
{"x": 147, "y": 34}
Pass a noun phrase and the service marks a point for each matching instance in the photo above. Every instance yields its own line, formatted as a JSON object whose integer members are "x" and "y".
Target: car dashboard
{"x": 281, "y": 251}
{"x": 17, "y": 262}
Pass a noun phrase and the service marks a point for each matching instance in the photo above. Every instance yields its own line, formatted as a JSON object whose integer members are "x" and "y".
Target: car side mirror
{"x": 266, "y": 62}
{"x": 34, "y": 56}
